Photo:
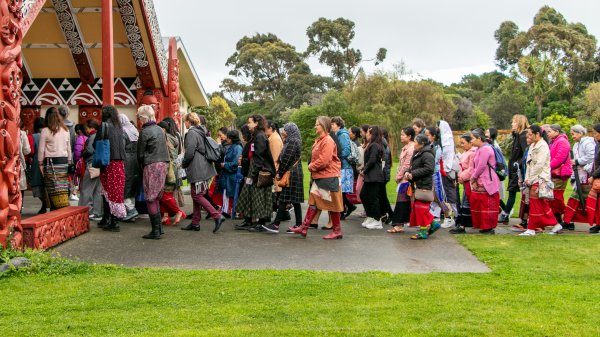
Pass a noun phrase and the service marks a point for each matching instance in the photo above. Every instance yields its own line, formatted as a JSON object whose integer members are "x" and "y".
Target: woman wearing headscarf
{"x": 538, "y": 173}
{"x": 229, "y": 169}
{"x": 256, "y": 201}
{"x": 519, "y": 144}
{"x": 401, "y": 214}
{"x": 153, "y": 155}
{"x": 54, "y": 157}
{"x": 290, "y": 163}
{"x": 485, "y": 185}
{"x": 37, "y": 179}
{"x": 464, "y": 177}
{"x": 592, "y": 204}
{"x": 325, "y": 193}
{"x": 560, "y": 168}
{"x": 112, "y": 177}
{"x": 168, "y": 204}
{"x": 132, "y": 171}
{"x": 449, "y": 172}
{"x": 421, "y": 177}
{"x": 584, "y": 150}
{"x": 91, "y": 191}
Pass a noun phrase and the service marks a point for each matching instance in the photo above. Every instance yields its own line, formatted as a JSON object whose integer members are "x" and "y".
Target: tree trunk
{"x": 538, "y": 102}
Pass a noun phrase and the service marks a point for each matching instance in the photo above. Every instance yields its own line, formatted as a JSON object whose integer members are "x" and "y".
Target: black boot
{"x": 155, "y": 220}
{"x": 113, "y": 226}
{"x": 105, "y": 215}
{"x": 218, "y": 223}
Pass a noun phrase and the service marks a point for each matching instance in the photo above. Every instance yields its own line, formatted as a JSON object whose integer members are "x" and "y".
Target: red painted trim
{"x": 108, "y": 56}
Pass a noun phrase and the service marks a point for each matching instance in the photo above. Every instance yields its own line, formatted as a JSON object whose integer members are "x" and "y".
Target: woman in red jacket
{"x": 560, "y": 168}
{"x": 325, "y": 192}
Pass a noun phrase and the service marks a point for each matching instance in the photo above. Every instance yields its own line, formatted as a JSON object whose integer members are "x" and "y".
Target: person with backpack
{"x": 339, "y": 127}
{"x": 519, "y": 144}
{"x": 560, "y": 168}
{"x": 492, "y": 135}
{"x": 485, "y": 185}
{"x": 199, "y": 154}
{"x": 256, "y": 198}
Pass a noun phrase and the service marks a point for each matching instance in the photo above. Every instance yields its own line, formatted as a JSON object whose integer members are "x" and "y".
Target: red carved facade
{"x": 173, "y": 99}
{"x": 11, "y": 39}
{"x": 48, "y": 230}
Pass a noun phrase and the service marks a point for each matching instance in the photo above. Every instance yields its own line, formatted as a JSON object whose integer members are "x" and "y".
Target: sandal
{"x": 396, "y": 229}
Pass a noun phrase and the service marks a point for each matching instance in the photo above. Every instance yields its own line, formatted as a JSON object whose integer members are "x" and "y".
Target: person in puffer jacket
{"x": 560, "y": 168}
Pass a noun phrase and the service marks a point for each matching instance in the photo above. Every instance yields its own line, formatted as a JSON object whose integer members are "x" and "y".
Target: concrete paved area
{"x": 360, "y": 250}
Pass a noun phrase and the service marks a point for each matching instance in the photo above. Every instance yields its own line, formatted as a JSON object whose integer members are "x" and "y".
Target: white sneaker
{"x": 367, "y": 222}
{"x": 557, "y": 229}
{"x": 448, "y": 223}
{"x": 73, "y": 197}
{"x": 375, "y": 224}
{"x": 529, "y": 232}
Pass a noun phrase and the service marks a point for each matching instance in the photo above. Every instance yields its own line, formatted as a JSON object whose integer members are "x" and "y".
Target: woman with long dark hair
{"x": 485, "y": 185}
{"x": 325, "y": 194}
{"x": 112, "y": 177}
{"x": 229, "y": 170}
{"x": 54, "y": 157}
{"x": 538, "y": 173}
{"x": 168, "y": 204}
{"x": 90, "y": 189}
{"x": 374, "y": 179}
{"x": 401, "y": 214}
{"x": 255, "y": 200}
{"x": 37, "y": 179}
{"x": 132, "y": 167}
{"x": 438, "y": 207}
{"x": 464, "y": 177}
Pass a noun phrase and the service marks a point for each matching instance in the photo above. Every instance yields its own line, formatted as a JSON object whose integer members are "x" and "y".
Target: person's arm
{"x": 232, "y": 166}
{"x": 427, "y": 169}
{"x": 25, "y": 144}
{"x": 467, "y": 173}
{"x": 587, "y": 158}
{"x": 346, "y": 149}
{"x": 287, "y": 159}
{"x": 190, "y": 150}
{"x": 258, "y": 157}
{"x": 481, "y": 165}
{"x": 561, "y": 156}
{"x": 371, "y": 158}
{"x": 324, "y": 156}
{"x": 70, "y": 149}
{"x": 42, "y": 147}
{"x": 534, "y": 171}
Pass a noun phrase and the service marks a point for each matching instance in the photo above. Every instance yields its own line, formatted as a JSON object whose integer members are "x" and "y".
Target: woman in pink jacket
{"x": 560, "y": 166}
{"x": 464, "y": 177}
{"x": 402, "y": 210}
{"x": 484, "y": 185}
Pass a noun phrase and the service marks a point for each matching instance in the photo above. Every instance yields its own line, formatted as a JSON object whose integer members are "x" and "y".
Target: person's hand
{"x": 591, "y": 180}
{"x": 460, "y": 181}
{"x": 573, "y": 162}
{"x": 222, "y": 164}
{"x": 277, "y": 177}
{"x": 409, "y": 176}
{"x": 240, "y": 161}
{"x": 248, "y": 181}
{"x": 527, "y": 183}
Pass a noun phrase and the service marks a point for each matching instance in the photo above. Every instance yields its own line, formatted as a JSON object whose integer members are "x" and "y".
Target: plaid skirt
{"x": 255, "y": 202}
{"x": 294, "y": 193}
{"x": 573, "y": 212}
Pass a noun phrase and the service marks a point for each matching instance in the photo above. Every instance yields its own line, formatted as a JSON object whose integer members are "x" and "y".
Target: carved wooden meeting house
{"x": 63, "y": 52}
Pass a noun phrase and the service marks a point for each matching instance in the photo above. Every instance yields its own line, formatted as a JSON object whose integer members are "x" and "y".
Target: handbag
{"x": 101, "y": 157}
{"x": 171, "y": 178}
{"x": 423, "y": 195}
{"x": 284, "y": 181}
{"x": 596, "y": 185}
{"x": 94, "y": 172}
{"x": 265, "y": 179}
{"x": 546, "y": 190}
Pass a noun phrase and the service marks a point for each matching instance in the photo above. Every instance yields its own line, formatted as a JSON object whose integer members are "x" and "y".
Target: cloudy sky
{"x": 443, "y": 40}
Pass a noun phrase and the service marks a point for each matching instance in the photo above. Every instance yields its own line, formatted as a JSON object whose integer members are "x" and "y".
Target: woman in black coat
{"x": 374, "y": 178}
{"x": 256, "y": 201}
{"x": 519, "y": 137}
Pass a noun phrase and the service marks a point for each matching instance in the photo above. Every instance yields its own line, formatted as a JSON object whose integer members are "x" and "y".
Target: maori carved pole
{"x": 174, "y": 82}
{"x": 11, "y": 39}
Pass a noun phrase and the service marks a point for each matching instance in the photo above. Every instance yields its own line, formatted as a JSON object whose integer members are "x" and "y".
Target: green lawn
{"x": 540, "y": 286}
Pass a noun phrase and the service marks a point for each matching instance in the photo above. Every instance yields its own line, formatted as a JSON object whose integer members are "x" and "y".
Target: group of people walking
{"x": 123, "y": 171}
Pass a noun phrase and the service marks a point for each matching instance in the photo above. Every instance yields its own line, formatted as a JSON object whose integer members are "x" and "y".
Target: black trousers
{"x": 384, "y": 203}
{"x": 369, "y": 195}
{"x": 281, "y": 210}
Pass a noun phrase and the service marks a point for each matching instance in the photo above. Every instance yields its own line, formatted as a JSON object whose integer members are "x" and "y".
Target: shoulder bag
{"x": 101, "y": 157}
{"x": 423, "y": 195}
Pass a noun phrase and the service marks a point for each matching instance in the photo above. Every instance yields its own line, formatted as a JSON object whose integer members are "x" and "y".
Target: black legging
{"x": 370, "y": 198}
{"x": 384, "y": 204}
{"x": 281, "y": 209}
{"x": 510, "y": 202}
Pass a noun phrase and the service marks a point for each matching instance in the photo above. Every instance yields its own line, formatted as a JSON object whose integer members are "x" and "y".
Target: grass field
{"x": 540, "y": 286}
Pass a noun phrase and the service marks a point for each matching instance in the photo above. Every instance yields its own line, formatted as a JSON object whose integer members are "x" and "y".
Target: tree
{"x": 218, "y": 114}
{"x": 553, "y": 37}
{"x": 331, "y": 41}
{"x": 544, "y": 76}
{"x": 464, "y": 114}
{"x": 509, "y": 99}
{"x": 590, "y": 104}
{"x": 261, "y": 64}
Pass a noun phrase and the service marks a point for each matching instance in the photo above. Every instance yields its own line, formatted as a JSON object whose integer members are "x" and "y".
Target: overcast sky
{"x": 443, "y": 40}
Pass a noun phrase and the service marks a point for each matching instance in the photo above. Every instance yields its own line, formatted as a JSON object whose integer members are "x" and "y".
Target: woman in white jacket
{"x": 583, "y": 160}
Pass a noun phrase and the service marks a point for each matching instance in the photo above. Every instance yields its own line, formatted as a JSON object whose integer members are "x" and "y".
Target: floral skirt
{"x": 155, "y": 175}
{"x": 112, "y": 179}
{"x": 347, "y": 181}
